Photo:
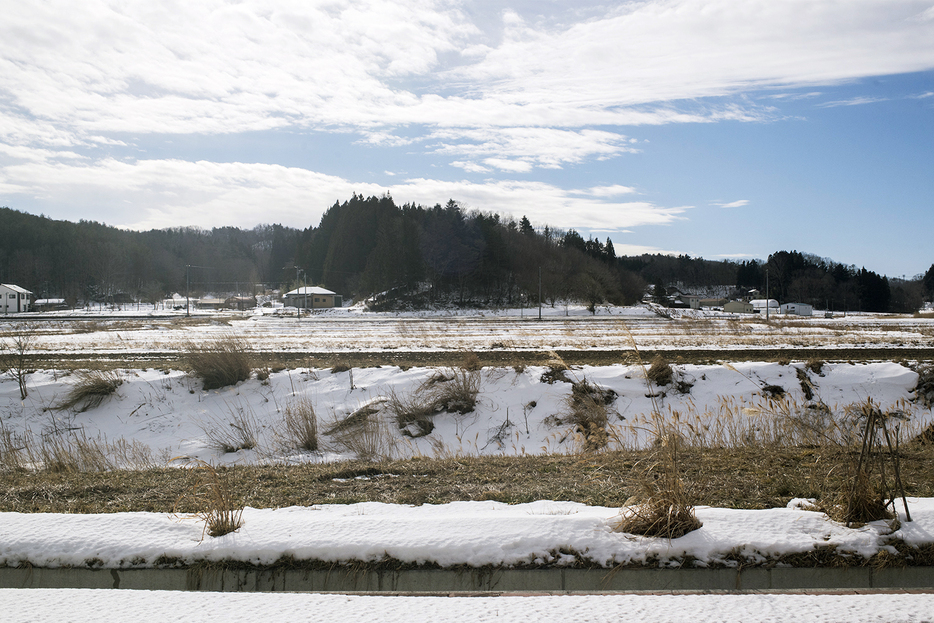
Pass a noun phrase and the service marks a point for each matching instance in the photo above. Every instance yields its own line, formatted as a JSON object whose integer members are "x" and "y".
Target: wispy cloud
{"x": 856, "y": 101}
{"x": 734, "y": 204}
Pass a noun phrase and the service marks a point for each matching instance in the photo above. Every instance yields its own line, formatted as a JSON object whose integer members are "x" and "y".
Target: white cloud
{"x": 609, "y": 191}
{"x": 545, "y": 147}
{"x": 209, "y": 67}
{"x": 470, "y": 167}
{"x": 504, "y": 164}
{"x": 734, "y": 204}
{"x": 164, "y": 193}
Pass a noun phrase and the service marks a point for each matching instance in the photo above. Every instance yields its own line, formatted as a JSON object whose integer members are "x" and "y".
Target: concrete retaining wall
{"x": 479, "y": 580}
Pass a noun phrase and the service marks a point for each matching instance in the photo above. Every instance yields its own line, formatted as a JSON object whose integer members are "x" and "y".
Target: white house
{"x": 14, "y": 299}
{"x": 798, "y": 309}
{"x": 312, "y": 297}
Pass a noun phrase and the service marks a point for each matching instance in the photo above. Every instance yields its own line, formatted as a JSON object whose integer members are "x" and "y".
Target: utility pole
{"x": 305, "y": 290}
{"x": 539, "y": 292}
{"x": 187, "y": 290}
{"x": 767, "y": 305}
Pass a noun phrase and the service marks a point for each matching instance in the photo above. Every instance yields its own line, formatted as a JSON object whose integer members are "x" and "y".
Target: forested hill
{"x": 406, "y": 255}
{"x": 442, "y": 254}
{"x": 89, "y": 261}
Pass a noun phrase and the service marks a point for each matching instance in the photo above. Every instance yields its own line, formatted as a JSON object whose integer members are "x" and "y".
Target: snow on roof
{"x": 15, "y": 288}
{"x": 309, "y": 290}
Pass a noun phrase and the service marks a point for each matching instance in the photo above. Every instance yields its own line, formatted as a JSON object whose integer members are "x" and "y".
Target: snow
{"x": 103, "y": 606}
{"x": 169, "y": 412}
{"x": 474, "y": 534}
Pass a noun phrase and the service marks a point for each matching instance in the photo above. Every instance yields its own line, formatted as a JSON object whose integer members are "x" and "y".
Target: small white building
{"x": 312, "y": 297}
{"x": 14, "y": 299}
{"x": 797, "y": 309}
{"x": 759, "y": 305}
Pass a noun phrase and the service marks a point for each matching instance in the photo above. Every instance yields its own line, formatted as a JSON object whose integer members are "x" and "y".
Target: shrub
{"x": 91, "y": 389}
{"x": 220, "y": 362}
{"x": 14, "y": 356}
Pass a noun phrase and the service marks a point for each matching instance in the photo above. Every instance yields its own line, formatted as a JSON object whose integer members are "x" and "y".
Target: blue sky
{"x": 716, "y": 128}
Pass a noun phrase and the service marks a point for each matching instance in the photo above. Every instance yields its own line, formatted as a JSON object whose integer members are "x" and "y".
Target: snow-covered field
{"x": 354, "y": 330}
{"x": 516, "y": 412}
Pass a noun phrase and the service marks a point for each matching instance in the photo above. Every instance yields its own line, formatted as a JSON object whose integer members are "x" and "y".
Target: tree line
{"x": 407, "y": 256}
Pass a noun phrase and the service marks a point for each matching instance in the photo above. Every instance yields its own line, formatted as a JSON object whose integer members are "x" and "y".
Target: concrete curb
{"x": 483, "y": 581}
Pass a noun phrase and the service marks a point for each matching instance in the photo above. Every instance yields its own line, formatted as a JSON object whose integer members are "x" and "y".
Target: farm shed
{"x": 312, "y": 297}
{"x": 738, "y": 307}
{"x": 49, "y": 304}
{"x": 797, "y": 309}
{"x": 14, "y": 299}
{"x": 241, "y": 303}
{"x": 759, "y": 305}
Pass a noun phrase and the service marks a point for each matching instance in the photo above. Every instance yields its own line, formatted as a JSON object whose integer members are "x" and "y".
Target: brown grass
{"x": 218, "y": 505}
{"x": 660, "y": 372}
{"x": 745, "y": 477}
{"x": 219, "y": 362}
{"x": 299, "y": 428}
{"x": 90, "y": 390}
{"x": 240, "y": 432}
{"x": 587, "y": 409}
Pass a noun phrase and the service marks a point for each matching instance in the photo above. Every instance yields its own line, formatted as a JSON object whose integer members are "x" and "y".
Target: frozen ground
{"x": 103, "y": 606}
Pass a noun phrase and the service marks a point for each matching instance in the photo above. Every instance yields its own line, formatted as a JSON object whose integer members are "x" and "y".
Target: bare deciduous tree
{"x": 14, "y": 355}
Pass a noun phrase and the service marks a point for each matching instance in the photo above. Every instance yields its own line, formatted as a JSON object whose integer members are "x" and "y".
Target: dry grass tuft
{"x": 815, "y": 365}
{"x": 471, "y": 362}
{"x": 660, "y": 372}
{"x": 924, "y": 390}
{"x": 221, "y": 511}
{"x": 220, "y": 362}
{"x": 300, "y": 426}
{"x": 587, "y": 410}
{"x": 363, "y": 433}
{"x": 92, "y": 388}
{"x": 447, "y": 391}
{"x": 340, "y": 366}
{"x": 70, "y": 453}
{"x": 240, "y": 432}
{"x": 663, "y": 508}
